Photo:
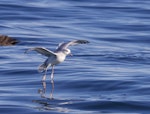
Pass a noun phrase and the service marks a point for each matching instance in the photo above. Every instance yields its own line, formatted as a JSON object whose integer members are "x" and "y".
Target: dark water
{"x": 110, "y": 75}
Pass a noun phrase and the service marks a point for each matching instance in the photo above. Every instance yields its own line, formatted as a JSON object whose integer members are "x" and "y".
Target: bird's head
{"x": 67, "y": 52}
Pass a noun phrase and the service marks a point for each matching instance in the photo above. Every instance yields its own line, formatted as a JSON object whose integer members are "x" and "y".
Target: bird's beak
{"x": 71, "y": 54}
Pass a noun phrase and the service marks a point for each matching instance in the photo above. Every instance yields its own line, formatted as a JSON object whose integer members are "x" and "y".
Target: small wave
{"x": 114, "y": 106}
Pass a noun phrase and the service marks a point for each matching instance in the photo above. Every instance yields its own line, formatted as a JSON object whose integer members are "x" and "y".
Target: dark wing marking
{"x": 71, "y": 43}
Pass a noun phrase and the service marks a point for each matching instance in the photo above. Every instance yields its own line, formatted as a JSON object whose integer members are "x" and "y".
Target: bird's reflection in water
{"x": 42, "y": 91}
{"x": 49, "y": 103}
{"x": 52, "y": 105}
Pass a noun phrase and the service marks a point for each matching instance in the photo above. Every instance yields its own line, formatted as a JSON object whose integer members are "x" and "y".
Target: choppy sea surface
{"x": 111, "y": 74}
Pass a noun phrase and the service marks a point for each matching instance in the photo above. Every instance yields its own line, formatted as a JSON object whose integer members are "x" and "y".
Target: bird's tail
{"x": 42, "y": 67}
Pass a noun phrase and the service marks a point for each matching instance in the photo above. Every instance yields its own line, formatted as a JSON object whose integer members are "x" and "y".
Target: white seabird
{"x": 55, "y": 57}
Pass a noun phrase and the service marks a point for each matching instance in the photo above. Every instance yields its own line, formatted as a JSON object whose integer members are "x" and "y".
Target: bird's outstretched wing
{"x": 42, "y": 51}
{"x": 71, "y": 43}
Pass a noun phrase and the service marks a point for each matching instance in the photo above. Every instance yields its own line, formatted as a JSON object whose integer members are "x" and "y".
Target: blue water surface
{"x": 109, "y": 75}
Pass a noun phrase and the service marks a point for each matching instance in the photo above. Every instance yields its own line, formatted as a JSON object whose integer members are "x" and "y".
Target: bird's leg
{"x": 52, "y": 75}
{"x": 52, "y": 82}
{"x": 52, "y": 90}
{"x": 44, "y": 77}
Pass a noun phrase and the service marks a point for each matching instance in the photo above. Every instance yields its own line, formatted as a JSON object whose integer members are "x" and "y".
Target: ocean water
{"x": 111, "y": 74}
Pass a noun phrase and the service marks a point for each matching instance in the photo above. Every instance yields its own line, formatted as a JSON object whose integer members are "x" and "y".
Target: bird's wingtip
{"x": 27, "y": 50}
{"x": 83, "y": 41}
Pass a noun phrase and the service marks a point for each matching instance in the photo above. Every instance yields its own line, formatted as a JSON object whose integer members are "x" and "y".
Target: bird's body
{"x": 55, "y": 57}
{"x": 52, "y": 60}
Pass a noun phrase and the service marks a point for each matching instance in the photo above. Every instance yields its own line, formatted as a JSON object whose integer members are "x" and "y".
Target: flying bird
{"x": 56, "y": 57}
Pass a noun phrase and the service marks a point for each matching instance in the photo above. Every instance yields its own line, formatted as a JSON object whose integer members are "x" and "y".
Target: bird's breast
{"x": 59, "y": 58}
